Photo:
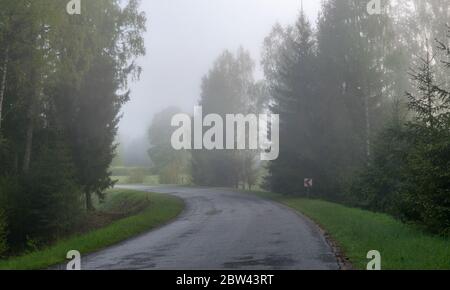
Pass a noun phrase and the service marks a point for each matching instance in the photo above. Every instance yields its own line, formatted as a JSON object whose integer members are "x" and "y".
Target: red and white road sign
{"x": 308, "y": 182}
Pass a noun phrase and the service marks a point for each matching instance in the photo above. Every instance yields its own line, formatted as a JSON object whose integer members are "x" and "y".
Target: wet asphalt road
{"x": 221, "y": 229}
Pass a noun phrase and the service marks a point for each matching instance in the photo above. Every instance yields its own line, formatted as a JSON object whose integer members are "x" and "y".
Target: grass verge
{"x": 159, "y": 210}
{"x": 146, "y": 180}
{"x": 402, "y": 246}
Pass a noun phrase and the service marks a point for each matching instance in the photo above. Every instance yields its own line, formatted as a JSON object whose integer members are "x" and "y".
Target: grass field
{"x": 402, "y": 247}
{"x": 158, "y": 209}
{"x": 147, "y": 180}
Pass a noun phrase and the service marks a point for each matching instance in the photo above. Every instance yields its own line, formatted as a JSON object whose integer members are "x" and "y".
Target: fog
{"x": 185, "y": 37}
{"x": 345, "y": 120}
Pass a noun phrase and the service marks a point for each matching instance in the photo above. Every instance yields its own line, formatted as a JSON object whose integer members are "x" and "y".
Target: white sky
{"x": 183, "y": 39}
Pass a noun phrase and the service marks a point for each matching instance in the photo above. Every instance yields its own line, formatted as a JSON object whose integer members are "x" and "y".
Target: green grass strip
{"x": 402, "y": 246}
{"x": 162, "y": 209}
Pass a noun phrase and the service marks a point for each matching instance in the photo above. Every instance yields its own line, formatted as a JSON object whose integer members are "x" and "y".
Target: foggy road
{"x": 221, "y": 229}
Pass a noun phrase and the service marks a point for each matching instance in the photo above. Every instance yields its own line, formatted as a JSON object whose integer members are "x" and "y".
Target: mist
{"x": 224, "y": 135}
{"x": 184, "y": 38}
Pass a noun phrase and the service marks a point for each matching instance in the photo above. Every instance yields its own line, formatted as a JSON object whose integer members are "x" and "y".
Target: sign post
{"x": 308, "y": 184}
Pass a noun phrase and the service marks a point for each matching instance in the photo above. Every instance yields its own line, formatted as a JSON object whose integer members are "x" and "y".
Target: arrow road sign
{"x": 308, "y": 182}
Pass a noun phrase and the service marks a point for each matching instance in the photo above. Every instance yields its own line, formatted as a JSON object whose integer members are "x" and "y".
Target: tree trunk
{"x": 16, "y": 163}
{"x": 368, "y": 93}
{"x": 88, "y": 197}
{"x": 368, "y": 128}
{"x": 28, "y": 146}
{"x": 3, "y": 83}
{"x": 30, "y": 122}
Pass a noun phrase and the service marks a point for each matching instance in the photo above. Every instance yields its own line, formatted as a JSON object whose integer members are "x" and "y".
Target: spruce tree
{"x": 290, "y": 71}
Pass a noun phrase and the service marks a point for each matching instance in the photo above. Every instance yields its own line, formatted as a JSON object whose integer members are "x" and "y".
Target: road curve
{"x": 221, "y": 229}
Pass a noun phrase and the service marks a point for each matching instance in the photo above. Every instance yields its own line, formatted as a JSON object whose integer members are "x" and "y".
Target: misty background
{"x": 183, "y": 38}
{"x": 363, "y": 99}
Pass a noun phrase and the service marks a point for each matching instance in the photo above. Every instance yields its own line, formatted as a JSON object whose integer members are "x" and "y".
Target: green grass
{"x": 148, "y": 179}
{"x": 402, "y": 246}
{"x": 127, "y": 171}
{"x": 160, "y": 210}
{"x": 120, "y": 179}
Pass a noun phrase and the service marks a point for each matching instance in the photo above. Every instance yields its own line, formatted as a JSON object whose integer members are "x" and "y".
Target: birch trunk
{"x": 3, "y": 83}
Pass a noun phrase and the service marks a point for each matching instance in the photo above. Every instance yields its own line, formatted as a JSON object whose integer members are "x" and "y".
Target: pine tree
{"x": 89, "y": 107}
{"x": 409, "y": 175}
{"x": 427, "y": 174}
{"x": 426, "y": 105}
{"x": 290, "y": 70}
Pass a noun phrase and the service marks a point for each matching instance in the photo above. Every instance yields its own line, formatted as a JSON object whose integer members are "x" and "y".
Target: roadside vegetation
{"x": 345, "y": 119}
{"x": 145, "y": 176}
{"x": 63, "y": 82}
{"x": 356, "y": 231}
{"x": 134, "y": 175}
{"x": 124, "y": 214}
{"x": 364, "y": 104}
{"x": 339, "y": 90}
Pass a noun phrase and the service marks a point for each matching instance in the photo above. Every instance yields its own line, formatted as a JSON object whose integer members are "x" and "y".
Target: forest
{"x": 363, "y": 101}
{"x": 64, "y": 79}
{"x": 368, "y": 99}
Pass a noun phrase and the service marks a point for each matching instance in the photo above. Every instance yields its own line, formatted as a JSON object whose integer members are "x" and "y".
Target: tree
{"x": 409, "y": 172}
{"x": 171, "y": 165}
{"x": 93, "y": 127}
{"x": 229, "y": 88}
{"x": 379, "y": 184}
{"x": 91, "y": 112}
{"x": 52, "y": 192}
{"x": 356, "y": 45}
{"x": 63, "y": 80}
{"x": 427, "y": 174}
{"x": 432, "y": 104}
{"x": 290, "y": 71}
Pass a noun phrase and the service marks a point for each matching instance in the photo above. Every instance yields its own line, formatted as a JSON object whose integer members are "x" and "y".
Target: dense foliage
{"x": 63, "y": 80}
{"x": 409, "y": 175}
{"x": 345, "y": 119}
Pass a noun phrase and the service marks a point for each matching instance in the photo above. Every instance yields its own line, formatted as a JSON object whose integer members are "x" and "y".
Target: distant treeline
{"x": 63, "y": 81}
{"x": 228, "y": 88}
